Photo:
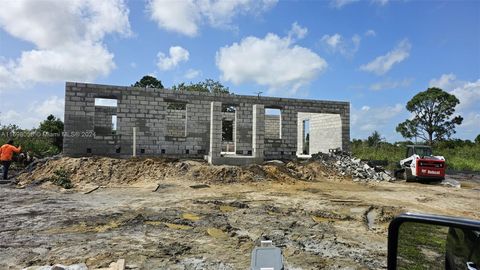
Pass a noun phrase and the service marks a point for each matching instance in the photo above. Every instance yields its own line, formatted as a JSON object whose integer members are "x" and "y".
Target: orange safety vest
{"x": 6, "y": 152}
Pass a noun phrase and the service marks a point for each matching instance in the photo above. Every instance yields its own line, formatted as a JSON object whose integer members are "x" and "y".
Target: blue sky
{"x": 376, "y": 54}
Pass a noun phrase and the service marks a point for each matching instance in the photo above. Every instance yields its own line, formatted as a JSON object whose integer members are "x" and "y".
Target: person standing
{"x": 6, "y": 154}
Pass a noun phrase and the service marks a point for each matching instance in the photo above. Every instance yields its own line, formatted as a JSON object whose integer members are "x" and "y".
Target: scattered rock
{"x": 346, "y": 165}
{"x": 80, "y": 266}
{"x": 450, "y": 183}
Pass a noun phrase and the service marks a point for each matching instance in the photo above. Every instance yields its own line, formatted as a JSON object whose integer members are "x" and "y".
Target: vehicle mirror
{"x": 417, "y": 241}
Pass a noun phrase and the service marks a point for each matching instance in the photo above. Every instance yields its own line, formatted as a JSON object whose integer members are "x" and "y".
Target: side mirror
{"x": 417, "y": 241}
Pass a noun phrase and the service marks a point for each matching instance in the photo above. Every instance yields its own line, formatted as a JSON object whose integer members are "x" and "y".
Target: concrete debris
{"x": 347, "y": 165}
{"x": 449, "y": 182}
{"x": 80, "y": 266}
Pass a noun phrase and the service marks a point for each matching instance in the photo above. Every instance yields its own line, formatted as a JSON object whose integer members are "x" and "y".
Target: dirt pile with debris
{"x": 106, "y": 171}
{"x": 345, "y": 164}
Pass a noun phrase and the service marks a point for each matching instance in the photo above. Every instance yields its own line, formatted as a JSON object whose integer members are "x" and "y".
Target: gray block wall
{"x": 146, "y": 109}
{"x": 103, "y": 120}
{"x": 272, "y": 126}
{"x": 325, "y": 132}
{"x": 176, "y": 123}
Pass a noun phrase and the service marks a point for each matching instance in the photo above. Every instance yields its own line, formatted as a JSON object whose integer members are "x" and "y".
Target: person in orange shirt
{"x": 6, "y": 154}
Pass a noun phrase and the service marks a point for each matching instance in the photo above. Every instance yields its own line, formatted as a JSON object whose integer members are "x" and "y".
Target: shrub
{"x": 62, "y": 178}
{"x": 34, "y": 141}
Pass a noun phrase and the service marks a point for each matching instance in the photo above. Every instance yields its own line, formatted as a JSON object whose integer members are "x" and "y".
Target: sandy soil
{"x": 320, "y": 224}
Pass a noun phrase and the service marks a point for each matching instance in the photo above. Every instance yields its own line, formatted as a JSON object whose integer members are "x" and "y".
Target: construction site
{"x": 156, "y": 179}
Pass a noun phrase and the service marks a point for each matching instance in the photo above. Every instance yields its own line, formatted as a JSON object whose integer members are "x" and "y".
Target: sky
{"x": 376, "y": 54}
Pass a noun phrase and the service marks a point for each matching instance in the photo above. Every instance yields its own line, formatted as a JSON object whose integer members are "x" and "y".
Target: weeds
{"x": 62, "y": 178}
{"x": 461, "y": 157}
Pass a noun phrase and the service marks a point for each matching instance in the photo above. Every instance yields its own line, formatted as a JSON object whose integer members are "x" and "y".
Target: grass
{"x": 460, "y": 157}
{"x": 421, "y": 246}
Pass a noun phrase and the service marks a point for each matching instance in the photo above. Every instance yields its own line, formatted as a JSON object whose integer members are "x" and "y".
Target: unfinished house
{"x": 230, "y": 129}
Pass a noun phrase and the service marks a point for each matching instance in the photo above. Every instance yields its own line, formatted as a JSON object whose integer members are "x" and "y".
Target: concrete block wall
{"x": 103, "y": 120}
{"x": 325, "y": 132}
{"x": 146, "y": 109}
{"x": 176, "y": 123}
{"x": 243, "y": 116}
{"x": 272, "y": 126}
{"x": 229, "y": 146}
{"x": 258, "y": 132}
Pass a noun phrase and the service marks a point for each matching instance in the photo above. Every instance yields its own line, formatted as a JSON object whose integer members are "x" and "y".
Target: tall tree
{"x": 53, "y": 126}
{"x": 149, "y": 82}
{"x": 374, "y": 139}
{"x": 433, "y": 118}
{"x": 208, "y": 85}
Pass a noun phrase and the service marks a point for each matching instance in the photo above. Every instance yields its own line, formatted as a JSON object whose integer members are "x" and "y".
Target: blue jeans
{"x": 6, "y": 165}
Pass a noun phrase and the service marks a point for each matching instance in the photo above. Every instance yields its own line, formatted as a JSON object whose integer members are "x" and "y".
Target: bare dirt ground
{"x": 323, "y": 223}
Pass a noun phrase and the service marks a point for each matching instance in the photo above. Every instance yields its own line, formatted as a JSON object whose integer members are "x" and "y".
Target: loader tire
{"x": 407, "y": 175}
{"x": 398, "y": 174}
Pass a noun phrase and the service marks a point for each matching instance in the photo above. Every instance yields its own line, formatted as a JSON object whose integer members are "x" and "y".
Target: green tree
{"x": 433, "y": 119}
{"x": 374, "y": 139}
{"x": 477, "y": 139}
{"x": 54, "y": 127}
{"x": 148, "y": 82}
{"x": 208, "y": 85}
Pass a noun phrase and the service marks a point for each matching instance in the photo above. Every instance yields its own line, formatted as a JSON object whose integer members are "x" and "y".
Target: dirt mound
{"x": 99, "y": 171}
{"x": 106, "y": 171}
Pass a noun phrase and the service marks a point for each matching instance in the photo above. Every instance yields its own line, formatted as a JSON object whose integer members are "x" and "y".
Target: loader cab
{"x": 421, "y": 150}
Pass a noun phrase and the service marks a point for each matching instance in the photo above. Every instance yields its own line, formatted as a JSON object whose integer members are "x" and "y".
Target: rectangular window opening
{"x": 273, "y": 123}
{"x": 106, "y": 102}
{"x": 176, "y": 119}
{"x": 306, "y": 137}
{"x": 318, "y": 132}
{"x": 229, "y": 108}
{"x": 105, "y": 121}
{"x": 114, "y": 124}
{"x": 228, "y": 128}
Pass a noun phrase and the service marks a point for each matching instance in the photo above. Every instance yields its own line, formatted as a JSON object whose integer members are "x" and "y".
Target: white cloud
{"x": 273, "y": 61}
{"x": 468, "y": 93}
{"x": 382, "y": 64}
{"x": 332, "y": 41}
{"x": 176, "y": 55}
{"x": 338, "y": 4}
{"x": 34, "y": 113}
{"x": 380, "y": 2}
{"x": 370, "y": 33}
{"x": 53, "y": 105}
{"x": 336, "y": 43}
{"x": 69, "y": 44}
{"x": 469, "y": 96}
{"x": 368, "y": 119}
{"x": 341, "y": 3}
{"x": 389, "y": 84}
{"x": 297, "y": 32}
{"x": 177, "y": 16}
{"x": 471, "y": 122}
{"x": 185, "y": 16}
{"x": 82, "y": 61}
{"x": 446, "y": 82}
{"x": 192, "y": 73}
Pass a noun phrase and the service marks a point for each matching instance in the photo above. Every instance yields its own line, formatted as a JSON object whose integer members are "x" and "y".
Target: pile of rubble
{"x": 347, "y": 165}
